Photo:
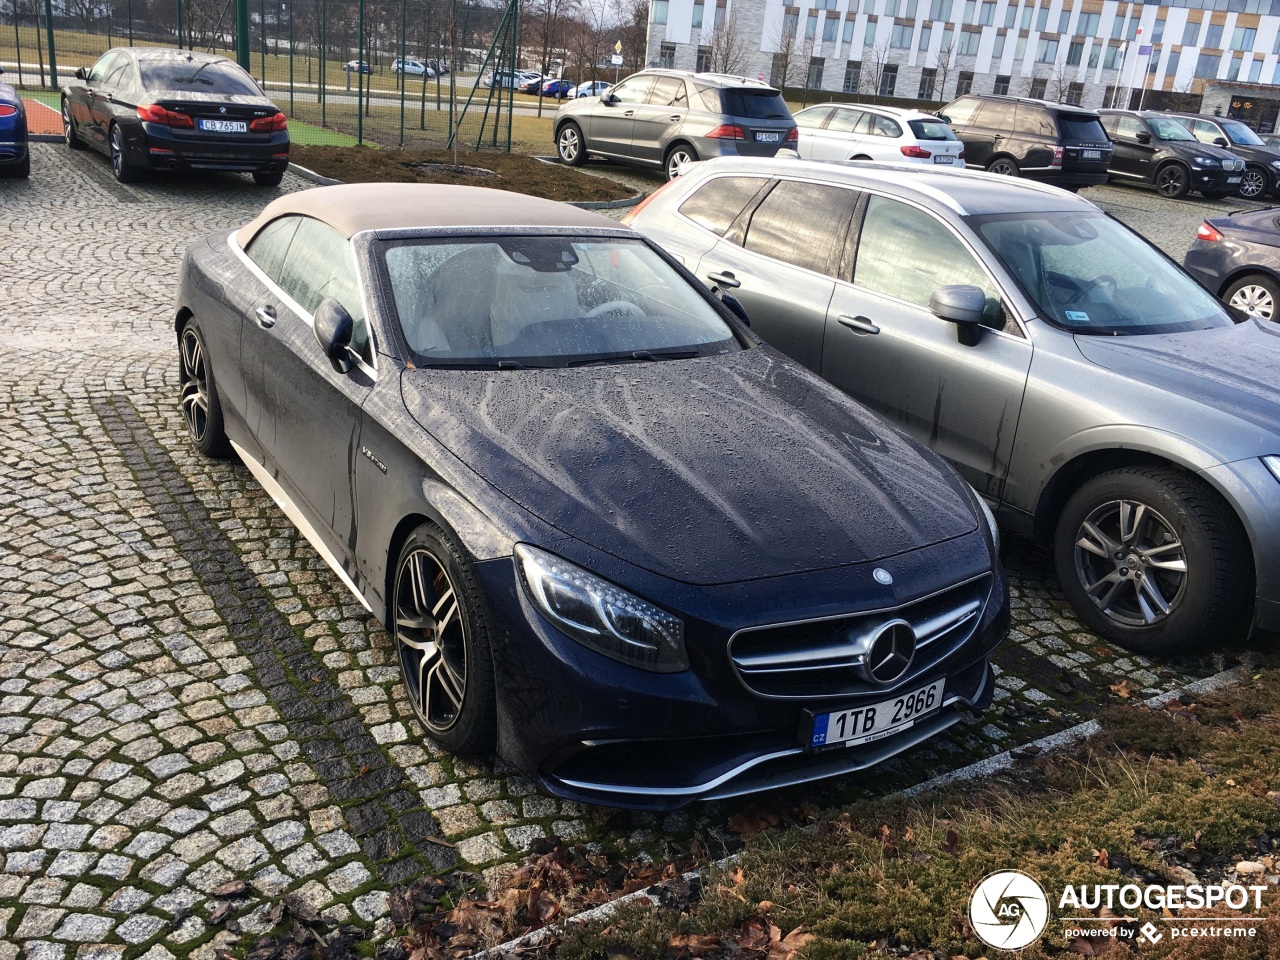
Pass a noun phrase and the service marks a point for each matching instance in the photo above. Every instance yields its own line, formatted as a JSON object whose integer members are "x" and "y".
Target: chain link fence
{"x": 399, "y": 72}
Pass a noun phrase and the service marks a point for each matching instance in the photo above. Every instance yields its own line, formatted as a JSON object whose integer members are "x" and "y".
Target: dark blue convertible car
{"x": 15, "y": 154}
{"x": 648, "y": 558}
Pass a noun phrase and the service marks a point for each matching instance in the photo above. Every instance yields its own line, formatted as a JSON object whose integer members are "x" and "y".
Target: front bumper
{"x": 157, "y": 147}
{"x": 1215, "y": 180}
{"x": 591, "y": 729}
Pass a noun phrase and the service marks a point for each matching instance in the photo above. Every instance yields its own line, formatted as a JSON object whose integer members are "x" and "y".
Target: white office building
{"x": 1218, "y": 55}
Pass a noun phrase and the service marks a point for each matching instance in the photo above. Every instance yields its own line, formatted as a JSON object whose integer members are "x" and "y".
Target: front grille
{"x": 822, "y": 658}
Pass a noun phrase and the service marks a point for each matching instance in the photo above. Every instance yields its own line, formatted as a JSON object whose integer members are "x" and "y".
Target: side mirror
{"x": 81, "y": 74}
{"x": 961, "y": 304}
{"x": 943, "y": 117}
{"x": 733, "y": 305}
{"x": 1142, "y": 136}
{"x": 607, "y": 97}
{"x": 333, "y": 327}
{"x": 1220, "y": 142}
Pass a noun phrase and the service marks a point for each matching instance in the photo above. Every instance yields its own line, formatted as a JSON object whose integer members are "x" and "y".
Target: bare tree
{"x": 943, "y": 71}
{"x": 787, "y": 68}
{"x": 728, "y": 47}
{"x": 873, "y": 63}
{"x": 1182, "y": 99}
{"x": 633, "y": 34}
{"x": 1060, "y": 77}
{"x": 548, "y": 22}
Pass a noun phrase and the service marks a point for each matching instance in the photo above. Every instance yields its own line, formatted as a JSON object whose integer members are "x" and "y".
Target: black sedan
{"x": 649, "y": 558}
{"x": 15, "y": 154}
{"x": 153, "y": 109}
{"x": 1237, "y": 258}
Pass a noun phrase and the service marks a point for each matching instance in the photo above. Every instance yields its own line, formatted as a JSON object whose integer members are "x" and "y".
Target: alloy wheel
{"x": 570, "y": 145}
{"x": 431, "y": 640}
{"x": 1130, "y": 562}
{"x": 117, "y": 151}
{"x": 678, "y": 158}
{"x": 1255, "y": 300}
{"x": 194, "y": 380}
{"x": 68, "y": 133}
{"x": 1002, "y": 168}
{"x": 1171, "y": 181}
{"x": 1253, "y": 184}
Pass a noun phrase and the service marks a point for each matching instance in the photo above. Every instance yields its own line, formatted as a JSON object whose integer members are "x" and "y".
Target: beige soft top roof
{"x": 354, "y": 207}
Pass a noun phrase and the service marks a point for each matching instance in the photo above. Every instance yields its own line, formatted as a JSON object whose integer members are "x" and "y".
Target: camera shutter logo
{"x": 1008, "y": 910}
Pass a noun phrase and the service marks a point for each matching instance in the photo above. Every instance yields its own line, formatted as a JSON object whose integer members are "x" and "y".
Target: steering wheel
{"x": 1104, "y": 282}
{"x": 616, "y": 306}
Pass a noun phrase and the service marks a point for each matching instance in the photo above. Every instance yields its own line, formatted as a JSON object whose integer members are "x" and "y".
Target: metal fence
{"x": 330, "y": 65}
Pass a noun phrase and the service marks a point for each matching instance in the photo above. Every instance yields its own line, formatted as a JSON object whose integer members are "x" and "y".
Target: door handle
{"x": 629, "y": 113}
{"x": 725, "y": 279}
{"x": 859, "y": 325}
{"x": 674, "y": 117}
{"x": 266, "y": 316}
{"x": 111, "y": 98}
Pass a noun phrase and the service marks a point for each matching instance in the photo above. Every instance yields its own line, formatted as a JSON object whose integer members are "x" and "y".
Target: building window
{"x": 1255, "y": 71}
{"x": 1047, "y": 51}
{"x": 940, "y": 10}
{"x": 1087, "y": 25}
{"x": 1213, "y": 36}
{"x": 1027, "y": 13}
{"x": 1190, "y": 33}
{"x": 927, "y": 78}
{"x": 852, "y": 76}
{"x": 1157, "y": 31}
{"x": 659, "y": 15}
{"x": 869, "y": 37}
{"x": 1010, "y": 16}
{"x": 890, "y": 8}
{"x": 1001, "y": 86}
{"x": 790, "y": 23}
{"x": 969, "y": 41}
{"x": 719, "y": 18}
{"x": 888, "y": 80}
{"x": 926, "y": 33}
{"x": 1243, "y": 38}
{"x": 811, "y": 26}
{"x": 964, "y": 83}
{"x": 696, "y": 23}
{"x": 667, "y": 56}
{"x": 704, "y": 60}
{"x": 1075, "y": 93}
{"x": 829, "y": 26}
{"x": 1233, "y": 67}
{"x": 1039, "y": 86}
{"x": 1207, "y": 65}
{"x": 1064, "y": 21}
{"x": 1117, "y": 27}
{"x": 1109, "y": 62}
{"x": 816, "y": 65}
{"x": 1042, "y": 18}
{"x": 1094, "y": 52}
{"x": 1020, "y": 50}
{"x": 848, "y": 30}
{"x": 997, "y": 49}
{"x": 970, "y": 11}
{"x": 900, "y": 38}
{"x": 1075, "y": 53}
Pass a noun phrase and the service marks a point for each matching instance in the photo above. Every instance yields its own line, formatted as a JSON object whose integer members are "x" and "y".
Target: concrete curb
{"x": 980, "y": 768}
{"x": 311, "y": 175}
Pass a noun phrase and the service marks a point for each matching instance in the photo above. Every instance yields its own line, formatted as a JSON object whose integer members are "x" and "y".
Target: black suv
{"x": 1155, "y": 148}
{"x": 1262, "y": 162}
{"x": 1052, "y": 142}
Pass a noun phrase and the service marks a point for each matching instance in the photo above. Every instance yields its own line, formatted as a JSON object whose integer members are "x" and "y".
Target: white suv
{"x": 860, "y": 131}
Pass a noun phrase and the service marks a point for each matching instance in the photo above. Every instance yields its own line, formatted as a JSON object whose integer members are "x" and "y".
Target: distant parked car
{"x": 506, "y": 78}
{"x": 1262, "y": 170}
{"x": 1020, "y": 137}
{"x": 560, "y": 89}
{"x": 833, "y": 131}
{"x": 528, "y": 82}
{"x": 667, "y": 118}
{"x": 149, "y": 108}
{"x": 357, "y": 66}
{"x": 591, "y": 89}
{"x": 15, "y": 154}
{"x": 1237, "y": 258}
{"x": 1154, "y": 148}
{"x": 411, "y": 67}
{"x": 439, "y": 67}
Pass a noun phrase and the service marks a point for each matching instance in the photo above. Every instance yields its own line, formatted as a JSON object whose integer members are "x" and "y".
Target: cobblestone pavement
{"x": 189, "y": 697}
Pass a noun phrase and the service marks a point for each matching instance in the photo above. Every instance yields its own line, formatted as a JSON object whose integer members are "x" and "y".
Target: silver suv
{"x": 1093, "y": 392}
{"x": 666, "y": 118}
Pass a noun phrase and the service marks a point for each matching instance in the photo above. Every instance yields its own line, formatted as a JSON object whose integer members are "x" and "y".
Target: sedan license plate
{"x": 1233, "y": 179}
{"x": 224, "y": 126}
{"x": 1090, "y": 154}
{"x": 943, "y": 158}
{"x": 864, "y": 724}
{"x": 768, "y": 137}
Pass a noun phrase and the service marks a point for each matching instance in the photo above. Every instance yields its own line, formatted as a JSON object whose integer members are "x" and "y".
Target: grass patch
{"x": 516, "y": 173}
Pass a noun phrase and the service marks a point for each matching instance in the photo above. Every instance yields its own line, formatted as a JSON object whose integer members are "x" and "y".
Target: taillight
{"x": 793, "y": 135}
{"x": 1207, "y": 233}
{"x": 154, "y": 113}
{"x": 1057, "y": 157}
{"x": 270, "y": 124}
{"x": 916, "y": 153}
{"x": 960, "y": 155}
{"x": 728, "y": 131}
{"x": 8, "y": 111}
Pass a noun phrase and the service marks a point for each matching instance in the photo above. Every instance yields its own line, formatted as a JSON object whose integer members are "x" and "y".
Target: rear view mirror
{"x": 961, "y": 304}
{"x": 333, "y": 327}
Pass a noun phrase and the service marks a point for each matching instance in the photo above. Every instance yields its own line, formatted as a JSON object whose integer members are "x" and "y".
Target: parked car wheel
{"x": 125, "y": 171}
{"x": 68, "y": 129}
{"x": 1253, "y": 183}
{"x": 442, "y": 642}
{"x": 1005, "y": 166}
{"x": 569, "y": 144}
{"x": 1173, "y": 181}
{"x": 198, "y": 394}
{"x": 1152, "y": 559}
{"x": 272, "y": 179}
{"x": 678, "y": 156}
{"x": 1256, "y": 294}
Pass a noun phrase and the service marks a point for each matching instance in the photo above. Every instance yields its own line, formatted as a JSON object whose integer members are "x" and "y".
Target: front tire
{"x": 442, "y": 631}
{"x": 1004, "y": 166}
{"x": 198, "y": 394}
{"x": 1254, "y": 183}
{"x": 677, "y": 157}
{"x": 121, "y": 166}
{"x": 570, "y": 145}
{"x": 1173, "y": 181}
{"x": 1256, "y": 294}
{"x": 1153, "y": 560}
{"x": 69, "y": 128}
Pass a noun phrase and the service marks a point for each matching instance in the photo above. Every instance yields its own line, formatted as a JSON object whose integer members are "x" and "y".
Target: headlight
{"x": 991, "y": 519}
{"x": 600, "y": 616}
{"x": 1205, "y": 161}
{"x": 1275, "y": 163}
{"x": 1273, "y": 464}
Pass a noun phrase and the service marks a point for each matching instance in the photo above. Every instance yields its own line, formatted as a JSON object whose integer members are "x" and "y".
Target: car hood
{"x": 1235, "y": 370}
{"x": 710, "y": 470}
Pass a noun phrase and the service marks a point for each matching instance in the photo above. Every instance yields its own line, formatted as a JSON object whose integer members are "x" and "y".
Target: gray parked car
{"x": 666, "y": 118}
{"x": 1093, "y": 392}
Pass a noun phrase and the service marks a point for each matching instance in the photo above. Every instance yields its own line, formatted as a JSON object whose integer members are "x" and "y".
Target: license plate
{"x": 1091, "y": 154}
{"x": 942, "y": 158}
{"x": 224, "y": 126}
{"x": 768, "y": 137}
{"x": 883, "y": 719}
{"x": 1233, "y": 179}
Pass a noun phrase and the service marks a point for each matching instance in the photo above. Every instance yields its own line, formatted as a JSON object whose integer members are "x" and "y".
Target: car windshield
{"x": 1238, "y": 133}
{"x": 1090, "y": 274}
{"x": 1169, "y": 129}
{"x": 210, "y": 76}
{"x": 931, "y": 130}
{"x": 559, "y": 301}
{"x": 755, "y": 104}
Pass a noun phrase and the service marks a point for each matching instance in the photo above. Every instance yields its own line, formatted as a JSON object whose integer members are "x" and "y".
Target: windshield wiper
{"x": 636, "y": 356}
